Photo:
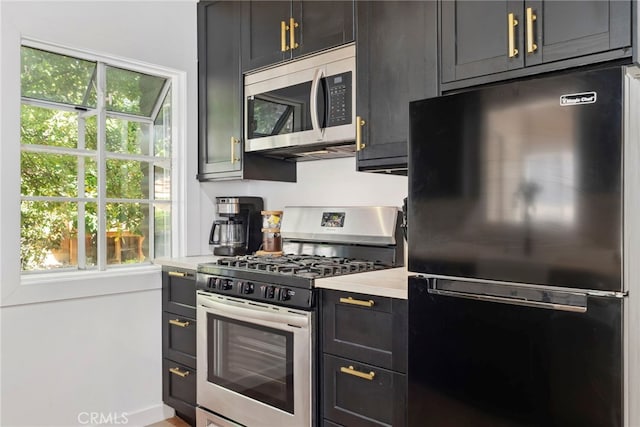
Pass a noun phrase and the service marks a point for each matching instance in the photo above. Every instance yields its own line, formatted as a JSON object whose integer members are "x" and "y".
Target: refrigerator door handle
{"x": 511, "y": 301}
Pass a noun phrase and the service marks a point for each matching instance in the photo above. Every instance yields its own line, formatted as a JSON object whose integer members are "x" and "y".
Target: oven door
{"x": 254, "y": 361}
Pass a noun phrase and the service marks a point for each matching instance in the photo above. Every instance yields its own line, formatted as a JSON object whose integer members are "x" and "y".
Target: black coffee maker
{"x": 239, "y": 231}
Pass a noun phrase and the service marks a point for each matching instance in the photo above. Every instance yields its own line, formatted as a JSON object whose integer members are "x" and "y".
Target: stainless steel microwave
{"x": 303, "y": 109}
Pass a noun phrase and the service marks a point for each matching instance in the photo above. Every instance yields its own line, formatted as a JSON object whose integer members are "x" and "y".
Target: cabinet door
{"x": 179, "y": 291}
{"x": 322, "y": 25}
{"x": 374, "y": 333}
{"x": 262, "y": 33}
{"x": 475, "y": 38}
{"x": 396, "y": 64}
{"x": 357, "y": 394}
{"x": 179, "y": 389}
{"x": 569, "y": 29}
{"x": 179, "y": 339}
{"x": 220, "y": 90}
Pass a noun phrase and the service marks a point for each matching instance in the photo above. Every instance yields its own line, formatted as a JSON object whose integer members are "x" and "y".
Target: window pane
{"x": 162, "y": 236}
{"x": 162, "y": 183}
{"x": 46, "y": 234}
{"x": 44, "y": 126}
{"x": 162, "y": 129}
{"x": 91, "y": 234}
{"x": 128, "y": 137}
{"x": 45, "y": 174}
{"x": 54, "y": 77}
{"x": 132, "y": 92}
{"x": 127, "y": 179}
{"x": 91, "y": 133}
{"x": 127, "y": 232}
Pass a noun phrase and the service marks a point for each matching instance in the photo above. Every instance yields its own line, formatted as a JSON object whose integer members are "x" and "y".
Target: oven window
{"x": 252, "y": 360}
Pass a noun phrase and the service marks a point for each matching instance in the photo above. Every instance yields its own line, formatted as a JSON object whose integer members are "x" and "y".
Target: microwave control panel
{"x": 339, "y": 89}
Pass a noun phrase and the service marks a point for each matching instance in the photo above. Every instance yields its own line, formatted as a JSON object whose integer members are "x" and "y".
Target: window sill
{"x": 47, "y": 287}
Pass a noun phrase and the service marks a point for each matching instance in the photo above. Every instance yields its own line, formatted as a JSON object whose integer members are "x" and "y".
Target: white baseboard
{"x": 148, "y": 416}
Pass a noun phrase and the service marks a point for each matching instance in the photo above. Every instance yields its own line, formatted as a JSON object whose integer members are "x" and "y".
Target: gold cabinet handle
{"x": 283, "y": 36}
{"x": 351, "y": 371}
{"x": 177, "y": 322}
{"x": 292, "y": 33}
{"x": 360, "y": 302}
{"x": 531, "y": 17}
{"x": 359, "y": 124}
{"x": 234, "y": 141}
{"x": 178, "y": 372}
{"x": 177, "y": 273}
{"x": 512, "y": 23}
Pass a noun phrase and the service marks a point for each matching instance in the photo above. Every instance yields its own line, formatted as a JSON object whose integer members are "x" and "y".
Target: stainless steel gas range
{"x": 257, "y": 315}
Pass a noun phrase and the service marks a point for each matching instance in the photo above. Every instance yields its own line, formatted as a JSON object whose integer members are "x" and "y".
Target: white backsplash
{"x": 320, "y": 183}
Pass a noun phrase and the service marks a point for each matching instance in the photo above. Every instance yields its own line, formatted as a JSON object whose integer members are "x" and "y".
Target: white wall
{"x": 94, "y": 353}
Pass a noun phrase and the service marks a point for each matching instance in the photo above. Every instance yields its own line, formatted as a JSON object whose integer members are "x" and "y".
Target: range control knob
{"x": 212, "y": 283}
{"x": 284, "y": 294}
{"x": 268, "y": 291}
{"x": 225, "y": 285}
{"x": 245, "y": 287}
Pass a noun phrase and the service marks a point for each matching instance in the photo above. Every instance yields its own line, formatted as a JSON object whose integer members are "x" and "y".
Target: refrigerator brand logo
{"x": 578, "y": 98}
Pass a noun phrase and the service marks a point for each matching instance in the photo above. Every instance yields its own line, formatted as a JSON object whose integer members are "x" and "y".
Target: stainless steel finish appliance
{"x": 257, "y": 315}
{"x": 523, "y": 225}
{"x": 303, "y": 109}
{"x": 239, "y": 232}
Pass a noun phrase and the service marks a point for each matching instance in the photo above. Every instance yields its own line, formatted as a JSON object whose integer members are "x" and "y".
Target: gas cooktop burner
{"x": 308, "y": 266}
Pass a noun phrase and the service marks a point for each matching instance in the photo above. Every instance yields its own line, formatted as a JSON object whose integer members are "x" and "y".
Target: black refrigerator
{"x": 515, "y": 226}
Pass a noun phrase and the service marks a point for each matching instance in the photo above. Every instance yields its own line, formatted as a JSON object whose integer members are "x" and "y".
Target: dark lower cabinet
{"x": 364, "y": 360}
{"x": 179, "y": 389}
{"x": 396, "y": 63}
{"x": 179, "y": 341}
{"x": 358, "y": 394}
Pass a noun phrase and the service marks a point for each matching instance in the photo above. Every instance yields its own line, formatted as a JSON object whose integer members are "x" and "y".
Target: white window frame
{"x": 80, "y": 283}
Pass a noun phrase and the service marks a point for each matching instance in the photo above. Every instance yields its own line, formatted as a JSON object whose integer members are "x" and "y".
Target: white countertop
{"x": 187, "y": 262}
{"x": 391, "y": 282}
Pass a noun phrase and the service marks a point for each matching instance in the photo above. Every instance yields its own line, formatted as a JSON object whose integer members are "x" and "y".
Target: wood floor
{"x": 171, "y": 422}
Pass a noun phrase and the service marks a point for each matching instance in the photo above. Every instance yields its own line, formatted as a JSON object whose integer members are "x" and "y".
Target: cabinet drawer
{"x": 179, "y": 389}
{"x": 179, "y": 291}
{"x": 374, "y": 333}
{"x": 357, "y": 394}
{"x": 179, "y": 339}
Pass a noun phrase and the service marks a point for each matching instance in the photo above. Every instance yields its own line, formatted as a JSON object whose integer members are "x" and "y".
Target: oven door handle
{"x": 315, "y": 86}
{"x": 247, "y": 314}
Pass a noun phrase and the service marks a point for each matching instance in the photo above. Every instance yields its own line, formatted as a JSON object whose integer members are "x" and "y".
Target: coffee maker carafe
{"x": 238, "y": 231}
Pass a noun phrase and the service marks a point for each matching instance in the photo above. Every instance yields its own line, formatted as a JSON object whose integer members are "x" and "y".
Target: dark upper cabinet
{"x": 221, "y": 147}
{"x": 503, "y": 39}
{"x": 275, "y": 31}
{"x": 396, "y": 63}
{"x": 220, "y": 90}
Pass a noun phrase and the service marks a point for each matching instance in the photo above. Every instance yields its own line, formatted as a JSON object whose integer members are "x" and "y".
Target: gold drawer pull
{"x": 351, "y": 371}
{"x": 177, "y": 322}
{"x": 283, "y": 36}
{"x": 512, "y": 23}
{"x": 178, "y": 372}
{"x": 531, "y": 17}
{"x": 177, "y": 274}
{"x": 359, "y": 124}
{"x": 362, "y": 303}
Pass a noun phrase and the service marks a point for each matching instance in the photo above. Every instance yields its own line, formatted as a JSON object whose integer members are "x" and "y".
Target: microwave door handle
{"x": 315, "y": 86}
